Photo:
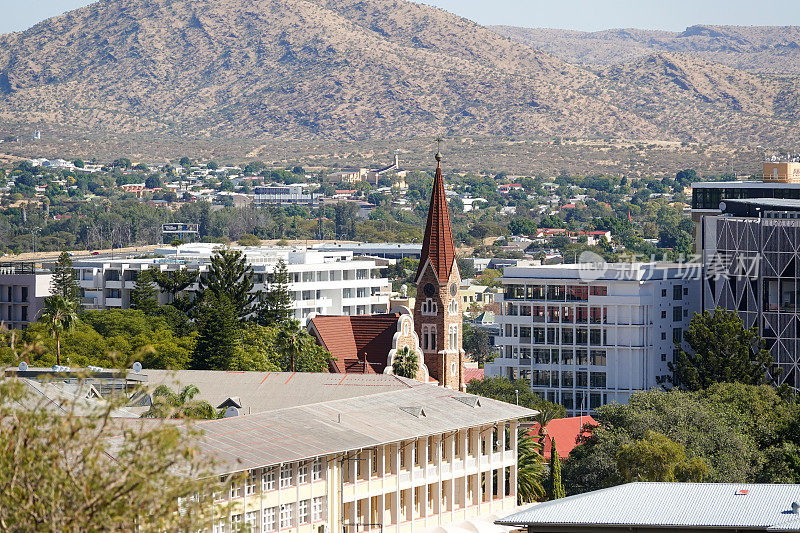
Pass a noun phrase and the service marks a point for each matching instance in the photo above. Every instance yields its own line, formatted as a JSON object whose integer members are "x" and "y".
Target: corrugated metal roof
{"x": 336, "y": 426}
{"x": 266, "y": 391}
{"x": 676, "y": 505}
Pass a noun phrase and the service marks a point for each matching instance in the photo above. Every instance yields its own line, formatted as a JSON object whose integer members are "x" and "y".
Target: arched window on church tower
{"x": 453, "y": 308}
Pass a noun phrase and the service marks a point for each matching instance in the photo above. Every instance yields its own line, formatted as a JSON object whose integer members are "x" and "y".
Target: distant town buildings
{"x": 585, "y": 335}
{"x": 284, "y": 195}
{"x": 355, "y": 175}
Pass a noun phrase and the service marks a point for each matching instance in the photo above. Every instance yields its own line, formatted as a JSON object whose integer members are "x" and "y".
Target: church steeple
{"x": 437, "y": 311}
{"x": 438, "y": 246}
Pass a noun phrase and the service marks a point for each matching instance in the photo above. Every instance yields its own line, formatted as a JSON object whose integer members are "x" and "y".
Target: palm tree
{"x": 530, "y": 470}
{"x": 547, "y": 412}
{"x": 169, "y": 404}
{"x": 60, "y": 315}
{"x": 291, "y": 344}
{"x": 405, "y": 363}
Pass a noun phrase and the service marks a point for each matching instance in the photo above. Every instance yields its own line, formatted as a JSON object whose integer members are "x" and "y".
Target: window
{"x": 663, "y": 293}
{"x": 302, "y": 474}
{"x": 268, "y": 480}
{"x": 402, "y": 455}
{"x": 453, "y": 309}
{"x": 597, "y": 357}
{"x": 316, "y": 469}
{"x": 236, "y": 521}
{"x": 677, "y": 334}
{"x": 250, "y": 484}
{"x": 317, "y": 508}
{"x": 598, "y": 380}
{"x": 677, "y": 314}
{"x": 236, "y": 490}
{"x": 677, "y": 292}
{"x": 287, "y": 515}
{"x": 219, "y": 526}
{"x": 598, "y": 290}
{"x": 303, "y": 511}
{"x": 663, "y": 314}
{"x": 453, "y": 336}
{"x": 663, "y": 357}
{"x": 251, "y": 518}
{"x": 663, "y": 335}
{"x": 375, "y": 460}
{"x": 430, "y": 308}
{"x": 286, "y": 476}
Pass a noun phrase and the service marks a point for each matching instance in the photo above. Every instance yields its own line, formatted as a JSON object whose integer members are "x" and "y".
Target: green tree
{"x": 170, "y": 404}
{"x": 248, "y": 239}
{"x": 153, "y": 181}
{"x": 555, "y": 487}
{"x": 530, "y": 470}
{"x": 476, "y": 344}
{"x": 68, "y": 469}
{"x": 405, "y": 363}
{"x": 230, "y": 275}
{"x": 60, "y": 315}
{"x": 218, "y": 334}
{"x": 172, "y": 282}
{"x": 721, "y": 350}
{"x": 300, "y": 352}
{"x": 506, "y": 390}
{"x": 275, "y": 308}
{"x": 63, "y": 282}
{"x": 658, "y": 458}
{"x": 144, "y": 295}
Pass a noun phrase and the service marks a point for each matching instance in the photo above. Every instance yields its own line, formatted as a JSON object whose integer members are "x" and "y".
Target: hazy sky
{"x": 572, "y": 14}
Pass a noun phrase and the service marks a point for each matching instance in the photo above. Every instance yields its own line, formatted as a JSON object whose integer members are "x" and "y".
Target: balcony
{"x": 113, "y": 302}
{"x": 130, "y": 284}
{"x": 90, "y": 283}
{"x": 113, "y": 284}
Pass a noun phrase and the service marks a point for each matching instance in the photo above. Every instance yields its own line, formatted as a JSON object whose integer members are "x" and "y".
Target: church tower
{"x": 437, "y": 312}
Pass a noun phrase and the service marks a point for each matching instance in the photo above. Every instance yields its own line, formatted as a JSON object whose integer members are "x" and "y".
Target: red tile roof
{"x": 472, "y": 373}
{"x": 438, "y": 243}
{"x": 359, "y": 344}
{"x": 568, "y": 433}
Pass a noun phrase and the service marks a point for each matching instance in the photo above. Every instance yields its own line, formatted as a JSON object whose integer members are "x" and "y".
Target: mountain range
{"x": 360, "y": 70}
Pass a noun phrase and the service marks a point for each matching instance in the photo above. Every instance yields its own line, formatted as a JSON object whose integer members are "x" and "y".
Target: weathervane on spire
{"x": 439, "y": 142}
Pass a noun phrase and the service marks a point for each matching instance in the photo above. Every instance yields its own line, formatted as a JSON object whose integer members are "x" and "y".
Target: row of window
{"x": 557, "y": 292}
{"x": 553, "y": 335}
{"x": 287, "y": 475}
{"x": 285, "y": 516}
{"x": 568, "y": 378}
{"x": 556, "y": 356}
{"x": 559, "y": 314}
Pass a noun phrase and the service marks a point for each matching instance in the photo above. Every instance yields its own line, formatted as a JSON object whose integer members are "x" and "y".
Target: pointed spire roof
{"x": 438, "y": 246}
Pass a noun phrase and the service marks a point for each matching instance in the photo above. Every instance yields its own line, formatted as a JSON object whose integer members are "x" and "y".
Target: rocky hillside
{"x": 770, "y": 49}
{"x": 355, "y": 69}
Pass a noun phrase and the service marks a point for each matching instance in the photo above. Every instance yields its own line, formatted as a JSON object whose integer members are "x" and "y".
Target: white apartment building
{"x": 585, "y": 335}
{"x": 329, "y": 283}
{"x": 23, "y": 288}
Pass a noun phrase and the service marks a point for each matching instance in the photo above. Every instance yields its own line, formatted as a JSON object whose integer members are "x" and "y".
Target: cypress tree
{"x": 230, "y": 275}
{"x": 276, "y": 307}
{"x": 64, "y": 283}
{"x": 555, "y": 485}
{"x": 219, "y": 334}
{"x": 144, "y": 295}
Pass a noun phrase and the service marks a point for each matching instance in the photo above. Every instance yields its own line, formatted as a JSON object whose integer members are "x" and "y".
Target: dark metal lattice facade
{"x": 755, "y": 270}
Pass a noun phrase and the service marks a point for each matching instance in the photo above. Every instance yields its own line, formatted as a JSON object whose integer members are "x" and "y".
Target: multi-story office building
{"x": 386, "y": 250}
{"x": 587, "y": 334}
{"x": 330, "y": 283}
{"x": 752, "y": 257}
{"x": 324, "y": 452}
{"x": 748, "y": 236}
{"x": 23, "y": 288}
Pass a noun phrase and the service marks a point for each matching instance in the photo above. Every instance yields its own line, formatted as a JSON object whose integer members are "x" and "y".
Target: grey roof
{"x": 670, "y": 505}
{"x": 61, "y": 397}
{"x": 266, "y": 391}
{"x": 337, "y": 426}
{"x": 743, "y": 185}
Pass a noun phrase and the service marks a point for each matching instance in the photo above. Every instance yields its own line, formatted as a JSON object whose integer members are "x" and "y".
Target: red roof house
{"x": 366, "y": 344}
{"x": 568, "y": 433}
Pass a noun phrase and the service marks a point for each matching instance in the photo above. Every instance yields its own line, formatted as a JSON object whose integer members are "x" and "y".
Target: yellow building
{"x": 341, "y": 452}
{"x": 782, "y": 171}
